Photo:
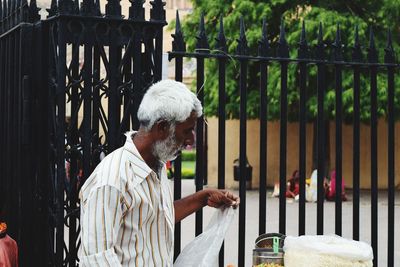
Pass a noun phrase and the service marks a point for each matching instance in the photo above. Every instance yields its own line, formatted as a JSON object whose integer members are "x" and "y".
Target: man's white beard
{"x": 167, "y": 149}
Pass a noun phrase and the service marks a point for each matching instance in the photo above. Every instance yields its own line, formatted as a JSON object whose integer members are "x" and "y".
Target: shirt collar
{"x": 137, "y": 159}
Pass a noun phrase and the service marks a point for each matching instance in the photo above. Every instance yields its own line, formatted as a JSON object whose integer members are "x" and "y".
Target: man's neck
{"x": 143, "y": 142}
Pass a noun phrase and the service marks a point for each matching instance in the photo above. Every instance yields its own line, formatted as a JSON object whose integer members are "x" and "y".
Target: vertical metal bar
{"x": 391, "y": 167}
{"x": 96, "y": 103}
{"x": 158, "y": 13}
{"x": 60, "y": 141}
{"x": 302, "y": 151}
{"x": 263, "y": 148}
{"x": 87, "y": 108}
{"x": 202, "y": 45}
{"x": 137, "y": 76}
{"x": 178, "y": 168}
{"x": 242, "y": 161}
{"x": 242, "y": 50}
{"x": 113, "y": 107}
{"x": 74, "y": 159}
{"x": 390, "y": 58}
{"x": 263, "y": 51}
{"x": 357, "y": 57}
{"x": 221, "y": 133}
{"x": 356, "y": 155}
{"x": 129, "y": 113}
{"x": 338, "y": 113}
{"x": 302, "y": 54}
{"x": 283, "y": 148}
{"x": 178, "y": 44}
{"x": 283, "y": 53}
{"x": 373, "y": 58}
{"x": 199, "y": 142}
{"x": 321, "y": 87}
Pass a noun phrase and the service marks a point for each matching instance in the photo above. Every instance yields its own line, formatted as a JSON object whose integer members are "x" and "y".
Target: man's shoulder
{"x": 106, "y": 173}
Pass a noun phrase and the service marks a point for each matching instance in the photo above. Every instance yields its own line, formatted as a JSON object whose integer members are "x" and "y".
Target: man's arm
{"x": 100, "y": 223}
{"x": 208, "y": 197}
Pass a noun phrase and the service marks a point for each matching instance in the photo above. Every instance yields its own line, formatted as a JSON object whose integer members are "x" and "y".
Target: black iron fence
{"x": 304, "y": 61}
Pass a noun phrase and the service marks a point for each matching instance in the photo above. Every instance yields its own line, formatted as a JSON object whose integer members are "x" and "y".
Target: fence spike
{"x": 303, "y": 45}
{"x": 372, "y": 53}
{"x": 136, "y": 10}
{"x": 263, "y": 44}
{"x": 338, "y": 45}
{"x": 4, "y": 10}
{"x": 76, "y": 6}
{"x": 357, "y": 53}
{"x": 202, "y": 42}
{"x": 283, "y": 48}
{"x": 221, "y": 39}
{"x": 157, "y": 11}
{"x": 34, "y": 11}
{"x": 113, "y": 8}
{"x": 66, "y": 6}
{"x": 97, "y": 7}
{"x": 13, "y": 6}
{"x": 389, "y": 51}
{"x": 242, "y": 41}
{"x": 1, "y": 12}
{"x": 53, "y": 9}
{"x": 320, "y": 49}
{"x": 88, "y": 7}
{"x": 9, "y": 8}
{"x": 178, "y": 44}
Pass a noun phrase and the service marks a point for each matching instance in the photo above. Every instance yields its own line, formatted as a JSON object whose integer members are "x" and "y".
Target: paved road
{"x": 231, "y": 241}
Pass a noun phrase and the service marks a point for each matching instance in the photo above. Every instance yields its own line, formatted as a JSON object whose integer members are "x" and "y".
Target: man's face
{"x": 180, "y": 136}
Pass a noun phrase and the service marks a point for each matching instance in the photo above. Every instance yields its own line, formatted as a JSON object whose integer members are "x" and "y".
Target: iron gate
{"x": 70, "y": 86}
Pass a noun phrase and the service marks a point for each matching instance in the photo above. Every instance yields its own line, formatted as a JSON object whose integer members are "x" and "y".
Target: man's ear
{"x": 161, "y": 129}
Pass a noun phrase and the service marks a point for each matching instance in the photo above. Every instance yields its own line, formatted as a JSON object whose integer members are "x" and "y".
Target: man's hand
{"x": 217, "y": 198}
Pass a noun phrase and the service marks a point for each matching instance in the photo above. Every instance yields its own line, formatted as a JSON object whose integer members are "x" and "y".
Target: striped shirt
{"x": 127, "y": 213}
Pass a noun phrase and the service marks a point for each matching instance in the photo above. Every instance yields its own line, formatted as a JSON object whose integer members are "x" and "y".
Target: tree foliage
{"x": 381, "y": 15}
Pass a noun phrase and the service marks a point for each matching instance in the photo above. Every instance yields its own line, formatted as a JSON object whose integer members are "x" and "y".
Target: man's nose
{"x": 190, "y": 140}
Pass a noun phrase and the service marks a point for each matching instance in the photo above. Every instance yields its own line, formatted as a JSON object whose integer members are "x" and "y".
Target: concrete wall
{"x": 272, "y": 164}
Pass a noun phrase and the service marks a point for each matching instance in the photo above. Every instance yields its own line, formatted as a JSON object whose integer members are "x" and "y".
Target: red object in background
{"x": 331, "y": 191}
{"x": 168, "y": 165}
{"x": 8, "y": 250}
{"x": 293, "y": 186}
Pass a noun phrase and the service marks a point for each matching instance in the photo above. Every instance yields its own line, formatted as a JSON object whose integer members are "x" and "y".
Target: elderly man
{"x": 127, "y": 208}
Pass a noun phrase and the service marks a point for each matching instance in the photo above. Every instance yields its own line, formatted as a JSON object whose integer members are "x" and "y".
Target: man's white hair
{"x": 168, "y": 100}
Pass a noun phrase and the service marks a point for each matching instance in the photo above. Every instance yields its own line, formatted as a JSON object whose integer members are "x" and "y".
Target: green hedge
{"x": 187, "y": 173}
{"x": 189, "y": 155}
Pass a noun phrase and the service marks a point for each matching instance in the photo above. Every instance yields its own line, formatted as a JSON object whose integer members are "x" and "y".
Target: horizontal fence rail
{"x": 326, "y": 59}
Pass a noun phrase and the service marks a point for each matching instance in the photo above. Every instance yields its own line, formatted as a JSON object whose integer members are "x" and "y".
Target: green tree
{"x": 381, "y": 15}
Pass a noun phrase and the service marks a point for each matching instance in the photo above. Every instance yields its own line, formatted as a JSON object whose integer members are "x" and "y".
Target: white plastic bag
{"x": 204, "y": 249}
{"x": 326, "y": 250}
{"x": 312, "y": 189}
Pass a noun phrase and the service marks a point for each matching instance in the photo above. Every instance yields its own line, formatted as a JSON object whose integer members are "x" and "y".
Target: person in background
{"x": 293, "y": 185}
{"x": 127, "y": 208}
{"x": 330, "y": 188}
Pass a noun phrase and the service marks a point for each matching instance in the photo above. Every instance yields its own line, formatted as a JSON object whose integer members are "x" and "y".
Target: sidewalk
{"x": 252, "y": 199}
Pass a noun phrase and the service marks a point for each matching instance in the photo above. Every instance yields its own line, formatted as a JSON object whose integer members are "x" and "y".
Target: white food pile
{"x": 329, "y": 251}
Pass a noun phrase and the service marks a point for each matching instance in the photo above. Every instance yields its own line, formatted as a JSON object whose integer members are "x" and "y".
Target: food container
{"x": 268, "y": 250}
{"x": 263, "y": 257}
